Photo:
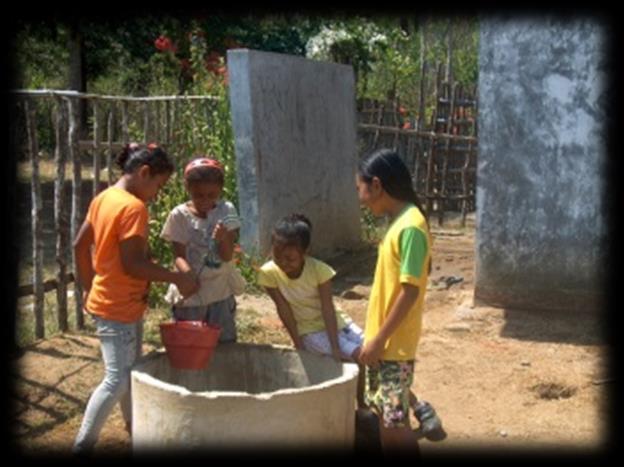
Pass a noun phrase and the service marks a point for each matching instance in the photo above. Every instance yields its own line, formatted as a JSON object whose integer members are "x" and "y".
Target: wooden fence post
{"x": 429, "y": 192}
{"x": 146, "y": 121}
{"x": 157, "y": 126}
{"x": 60, "y": 214}
{"x": 74, "y": 154}
{"x": 195, "y": 131}
{"x": 464, "y": 182}
{"x": 37, "y": 215}
{"x": 167, "y": 136}
{"x": 451, "y": 111}
{"x": 96, "y": 147}
{"x": 109, "y": 153}
{"x": 444, "y": 175}
{"x": 124, "y": 122}
{"x": 174, "y": 120}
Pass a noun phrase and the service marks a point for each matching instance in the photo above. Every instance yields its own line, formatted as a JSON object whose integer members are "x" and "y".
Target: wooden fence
{"x": 111, "y": 124}
{"x": 440, "y": 151}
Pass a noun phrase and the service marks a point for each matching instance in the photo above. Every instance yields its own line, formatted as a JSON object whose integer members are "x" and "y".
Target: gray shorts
{"x": 221, "y": 313}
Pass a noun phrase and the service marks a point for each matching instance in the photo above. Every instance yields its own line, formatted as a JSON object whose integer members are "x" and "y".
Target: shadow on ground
{"x": 555, "y": 326}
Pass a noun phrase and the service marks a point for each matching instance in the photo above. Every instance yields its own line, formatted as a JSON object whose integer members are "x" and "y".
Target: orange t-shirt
{"x": 116, "y": 215}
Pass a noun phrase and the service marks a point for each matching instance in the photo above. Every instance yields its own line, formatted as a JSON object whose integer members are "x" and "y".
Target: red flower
{"x": 164, "y": 44}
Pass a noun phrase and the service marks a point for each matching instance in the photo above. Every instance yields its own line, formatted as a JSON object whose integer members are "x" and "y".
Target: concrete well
{"x": 252, "y": 396}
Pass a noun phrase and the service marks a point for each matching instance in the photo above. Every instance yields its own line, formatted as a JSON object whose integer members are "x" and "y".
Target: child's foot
{"x": 430, "y": 424}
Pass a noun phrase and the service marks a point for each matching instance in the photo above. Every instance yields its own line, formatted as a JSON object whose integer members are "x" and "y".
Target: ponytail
{"x": 134, "y": 155}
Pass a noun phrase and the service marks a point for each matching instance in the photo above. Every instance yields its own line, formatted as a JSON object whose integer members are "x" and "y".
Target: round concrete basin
{"x": 255, "y": 396}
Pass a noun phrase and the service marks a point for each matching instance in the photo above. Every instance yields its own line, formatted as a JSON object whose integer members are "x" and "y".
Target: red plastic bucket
{"x": 189, "y": 344}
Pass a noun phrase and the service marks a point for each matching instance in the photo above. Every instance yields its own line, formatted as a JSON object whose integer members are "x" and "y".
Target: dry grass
{"x": 47, "y": 171}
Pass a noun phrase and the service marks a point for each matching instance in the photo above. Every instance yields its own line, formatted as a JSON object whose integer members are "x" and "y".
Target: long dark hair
{"x": 134, "y": 155}
{"x": 395, "y": 177}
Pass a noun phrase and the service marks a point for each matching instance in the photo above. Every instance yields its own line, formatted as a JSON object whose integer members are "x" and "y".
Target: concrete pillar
{"x": 294, "y": 124}
{"x": 541, "y": 226}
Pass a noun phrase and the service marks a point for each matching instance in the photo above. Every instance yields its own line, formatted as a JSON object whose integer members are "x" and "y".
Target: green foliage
{"x": 386, "y": 56}
{"x": 151, "y": 325}
{"x": 372, "y": 227}
{"x": 171, "y": 195}
{"x": 40, "y": 63}
{"x": 203, "y": 128}
{"x": 41, "y": 57}
{"x": 273, "y": 33}
{"x": 248, "y": 264}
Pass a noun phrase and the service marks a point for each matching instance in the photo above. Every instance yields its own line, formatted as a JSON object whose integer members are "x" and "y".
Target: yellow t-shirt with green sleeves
{"x": 302, "y": 293}
{"x": 403, "y": 257}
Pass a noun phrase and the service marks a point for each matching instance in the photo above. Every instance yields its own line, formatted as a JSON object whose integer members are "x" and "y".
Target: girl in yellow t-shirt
{"x": 114, "y": 270}
{"x": 300, "y": 287}
{"x": 394, "y": 317}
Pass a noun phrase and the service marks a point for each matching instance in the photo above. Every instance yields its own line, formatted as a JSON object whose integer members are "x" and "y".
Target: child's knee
{"x": 116, "y": 381}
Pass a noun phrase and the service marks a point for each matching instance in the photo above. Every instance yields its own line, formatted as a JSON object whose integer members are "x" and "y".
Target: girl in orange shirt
{"x": 115, "y": 278}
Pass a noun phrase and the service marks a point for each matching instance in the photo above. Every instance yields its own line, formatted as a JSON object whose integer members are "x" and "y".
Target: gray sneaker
{"x": 430, "y": 424}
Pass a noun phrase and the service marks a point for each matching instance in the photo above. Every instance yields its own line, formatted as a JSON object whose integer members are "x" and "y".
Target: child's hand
{"x": 187, "y": 283}
{"x": 220, "y": 231}
{"x": 85, "y": 297}
{"x": 371, "y": 353}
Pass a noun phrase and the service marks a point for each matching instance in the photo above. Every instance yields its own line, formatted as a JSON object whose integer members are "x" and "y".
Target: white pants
{"x": 349, "y": 338}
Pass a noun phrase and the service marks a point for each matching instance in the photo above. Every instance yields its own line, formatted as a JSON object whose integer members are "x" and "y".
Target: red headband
{"x": 202, "y": 162}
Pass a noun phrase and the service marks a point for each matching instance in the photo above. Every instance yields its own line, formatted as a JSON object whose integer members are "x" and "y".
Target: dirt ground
{"x": 497, "y": 378}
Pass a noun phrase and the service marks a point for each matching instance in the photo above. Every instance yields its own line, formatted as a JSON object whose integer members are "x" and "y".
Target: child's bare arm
{"x": 372, "y": 350}
{"x": 329, "y": 317}
{"x": 286, "y": 315}
{"x": 225, "y": 241}
{"x": 135, "y": 263}
{"x": 82, "y": 247}
{"x": 179, "y": 252}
